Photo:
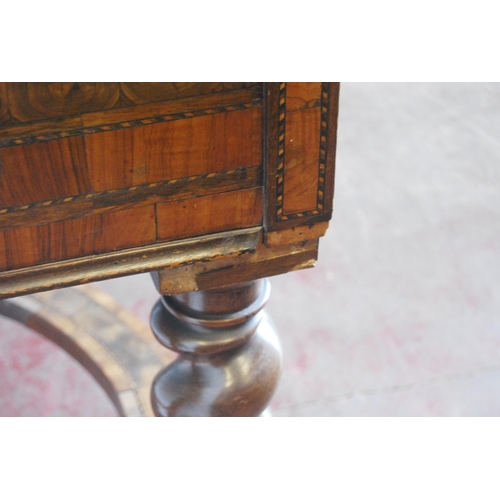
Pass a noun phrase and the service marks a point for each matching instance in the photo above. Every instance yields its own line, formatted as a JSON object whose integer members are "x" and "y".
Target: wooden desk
{"x": 209, "y": 186}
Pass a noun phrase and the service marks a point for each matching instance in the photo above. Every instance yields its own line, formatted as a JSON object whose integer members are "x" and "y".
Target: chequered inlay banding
{"x": 280, "y": 170}
{"x": 146, "y": 188}
{"x": 44, "y": 137}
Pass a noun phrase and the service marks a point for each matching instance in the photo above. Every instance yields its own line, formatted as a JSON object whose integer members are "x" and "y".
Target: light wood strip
{"x": 36, "y": 214}
{"x": 302, "y": 95}
{"x": 209, "y": 214}
{"x": 177, "y": 109}
{"x": 42, "y": 172}
{"x": 78, "y": 237}
{"x": 175, "y": 149}
{"x": 302, "y": 139}
{"x": 182, "y": 106}
{"x": 124, "y": 262}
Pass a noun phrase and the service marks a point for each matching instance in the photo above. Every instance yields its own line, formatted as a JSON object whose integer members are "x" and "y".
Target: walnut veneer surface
{"x": 207, "y": 184}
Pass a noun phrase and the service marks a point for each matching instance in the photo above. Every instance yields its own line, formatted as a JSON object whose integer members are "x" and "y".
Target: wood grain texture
{"x": 127, "y": 117}
{"x": 229, "y": 356}
{"x": 292, "y": 203}
{"x": 197, "y": 169}
{"x": 40, "y": 131}
{"x": 302, "y": 95}
{"x": 244, "y": 271}
{"x": 176, "y": 109}
{"x": 142, "y": 195}
{"x": 262, "y": 261}
{"x": 125, "y": 262}
{"x": 302, "y": 140}
{"x": 329, "y": 116}
{"x": 174, "y": 149}
{"x": 27, "y": 102}
{"x": 209, "y": 214}
{"x": 295, "y": 234}
{"x": 59, "y": 241}
{"x": 35, "y": 101}
{"x": 140, "y": 93}
{"x": 4, "y": 105}
{"x": 271, "y": 159}
{"x": 44, "y": 171}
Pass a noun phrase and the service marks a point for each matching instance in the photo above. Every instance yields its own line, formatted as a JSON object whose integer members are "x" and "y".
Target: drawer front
{"x": 174, "y": 161}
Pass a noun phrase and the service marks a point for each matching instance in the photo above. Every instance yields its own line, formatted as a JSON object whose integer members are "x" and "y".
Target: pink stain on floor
{"x": 302, "y": 362}
{"x": 473, "y": 301}
{"x": 29, "y": 354}
{"x": 390, "y": 335}
{"x": 310, "y": 278}
{"x": 38, "y": 379}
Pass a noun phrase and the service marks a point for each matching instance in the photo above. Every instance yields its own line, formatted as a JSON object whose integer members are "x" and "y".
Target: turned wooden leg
{"x": 229, "y": 355}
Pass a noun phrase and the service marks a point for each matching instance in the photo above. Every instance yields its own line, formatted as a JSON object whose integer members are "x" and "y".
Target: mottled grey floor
{"x": 401, "y": 316}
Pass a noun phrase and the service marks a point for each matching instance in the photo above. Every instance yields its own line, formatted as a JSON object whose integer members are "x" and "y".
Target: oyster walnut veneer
{"x": 209, "y": 186}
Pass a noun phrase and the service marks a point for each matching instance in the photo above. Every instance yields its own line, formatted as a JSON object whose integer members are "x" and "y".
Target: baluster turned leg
{"x": 229, "y": 355}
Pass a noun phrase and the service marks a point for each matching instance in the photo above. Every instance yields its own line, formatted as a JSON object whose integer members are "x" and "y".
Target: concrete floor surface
{"x": 401, "y": 316}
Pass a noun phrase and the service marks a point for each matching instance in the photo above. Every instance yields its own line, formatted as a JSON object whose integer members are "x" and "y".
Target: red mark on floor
{"x": 310, "y": 278}
{"x": 302, "y": 362}
{"x": 139, "y": 307}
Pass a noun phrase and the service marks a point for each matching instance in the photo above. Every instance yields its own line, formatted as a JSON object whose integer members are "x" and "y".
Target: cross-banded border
{"x": 280, "y": 171}
{"x": 146, "y": 188}
{"x": 37, "y": 138}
